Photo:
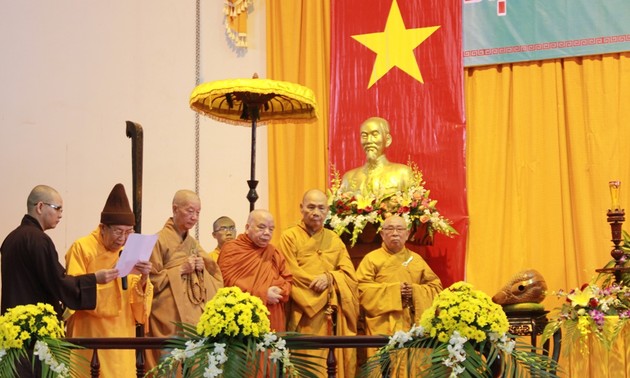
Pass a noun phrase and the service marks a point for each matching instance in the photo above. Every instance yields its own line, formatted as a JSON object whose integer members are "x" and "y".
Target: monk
{"x": 396, "y": 285}
{"x": 183, "y": 275}
{"x": 257, "y": 267}
{"x": 223, "y": 230}
{"x": 118, "y": 308}
{"x": 324, "y": 297}
{"x": 378, "y": 176}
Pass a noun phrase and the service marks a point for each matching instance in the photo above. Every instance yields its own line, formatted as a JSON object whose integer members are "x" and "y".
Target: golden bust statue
{"x": 378, "y": 176}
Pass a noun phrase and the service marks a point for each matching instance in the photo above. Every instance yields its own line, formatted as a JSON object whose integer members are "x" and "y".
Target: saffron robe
{"x": 117, "y": 311}
{"x": 254, "y": 269}
{"x": 215, "y": 254}
{"x": 310, "y": 256}
{"x": 173, "y": 299}
{"x": 380, "y": 274}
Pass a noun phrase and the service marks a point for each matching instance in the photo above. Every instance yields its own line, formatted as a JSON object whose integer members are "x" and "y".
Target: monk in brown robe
{"x": 184, "y": 276}
{"x": 257, "y": 267}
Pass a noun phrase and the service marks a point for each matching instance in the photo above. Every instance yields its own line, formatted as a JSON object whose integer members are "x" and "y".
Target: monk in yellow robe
{"x": 184, "y": 276}
{"x": 117, "y": 309}
{"x": 223, "y": 230}
{"x": 395, "y": 284}
{"x": 257, "y": 267}
{"x": 324, "y": 297}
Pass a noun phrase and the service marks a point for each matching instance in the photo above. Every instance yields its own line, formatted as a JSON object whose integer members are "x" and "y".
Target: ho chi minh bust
{"x": 378, "y": 176}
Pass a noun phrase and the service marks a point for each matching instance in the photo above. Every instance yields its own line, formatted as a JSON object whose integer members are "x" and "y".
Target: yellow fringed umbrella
{"x": 249, "y": 102}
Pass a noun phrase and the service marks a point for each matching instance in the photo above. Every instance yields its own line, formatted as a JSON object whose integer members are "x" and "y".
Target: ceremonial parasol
{"x": 249, "y": 102}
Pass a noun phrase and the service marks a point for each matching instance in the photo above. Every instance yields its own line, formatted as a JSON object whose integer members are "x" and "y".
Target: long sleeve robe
{"x": 31, "y": 272}
{"x": 117, "y": 311}
{"x": 380, "y": 274}
{"x": 173, "y": 299}
{"x": 310, "y": 256}
{"x": 254, "y": 269}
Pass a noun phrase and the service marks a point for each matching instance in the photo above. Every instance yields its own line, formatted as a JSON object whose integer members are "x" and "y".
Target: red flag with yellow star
{"x": 402, "y": 60}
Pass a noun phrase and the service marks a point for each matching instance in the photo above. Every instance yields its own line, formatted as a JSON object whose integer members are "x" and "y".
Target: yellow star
{"x": 394, "y": 46}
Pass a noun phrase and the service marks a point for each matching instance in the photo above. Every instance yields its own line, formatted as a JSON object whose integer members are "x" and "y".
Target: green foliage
{"x": 424, "y": 357}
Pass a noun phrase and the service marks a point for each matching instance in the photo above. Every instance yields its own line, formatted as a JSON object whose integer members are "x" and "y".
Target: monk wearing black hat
{"x": 117, "y": 309}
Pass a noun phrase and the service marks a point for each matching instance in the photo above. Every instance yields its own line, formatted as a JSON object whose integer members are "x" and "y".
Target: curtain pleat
{"x": 543, "y": 141}
{"x": 298, "y": 50}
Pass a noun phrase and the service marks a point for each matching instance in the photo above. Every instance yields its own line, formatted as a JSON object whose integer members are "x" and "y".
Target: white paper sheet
{"x": 137, "y": 248}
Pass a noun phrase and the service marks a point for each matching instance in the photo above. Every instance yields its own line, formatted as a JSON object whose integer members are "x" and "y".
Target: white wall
{"x": 72, "y": 73}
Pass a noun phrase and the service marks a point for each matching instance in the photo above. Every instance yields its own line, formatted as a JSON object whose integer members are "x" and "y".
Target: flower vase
{"x": 368, "y": 234}
{"x": 496, "y": 367}
{"x": 419, "y": 234}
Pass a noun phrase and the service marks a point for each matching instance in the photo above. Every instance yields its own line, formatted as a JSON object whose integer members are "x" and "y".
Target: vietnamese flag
{"x": 402, "y": 60}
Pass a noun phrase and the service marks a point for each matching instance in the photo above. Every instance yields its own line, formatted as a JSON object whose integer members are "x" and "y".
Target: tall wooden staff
{"x": 134, "y": 131}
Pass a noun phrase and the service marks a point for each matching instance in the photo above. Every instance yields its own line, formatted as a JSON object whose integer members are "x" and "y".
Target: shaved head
{"x": 41, "y": 193}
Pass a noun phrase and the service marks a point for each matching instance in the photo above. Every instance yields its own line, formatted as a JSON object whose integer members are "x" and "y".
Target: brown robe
{"x": 173, "y": 299}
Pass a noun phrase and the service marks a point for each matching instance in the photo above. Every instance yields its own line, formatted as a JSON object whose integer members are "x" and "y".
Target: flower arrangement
{"x": 37, "y": 328}
{"x": 600, "y": 310}
{"x": 463, "y": 334}
{"x": 350, "y": 213}
{"x": 231, "y": 339}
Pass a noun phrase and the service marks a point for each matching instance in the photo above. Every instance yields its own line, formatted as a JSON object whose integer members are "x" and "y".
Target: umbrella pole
{"x": 252, "y": 196}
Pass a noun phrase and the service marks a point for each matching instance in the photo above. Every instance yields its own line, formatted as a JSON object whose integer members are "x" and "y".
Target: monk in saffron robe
{"x": 396, "y": 285}
{"x": 324, "y": 282}
{"x": 223, "y": 230}
{"x": 184, "y": 276}
{"x": 118, "y": 309}
{"x": 257, "y": 267}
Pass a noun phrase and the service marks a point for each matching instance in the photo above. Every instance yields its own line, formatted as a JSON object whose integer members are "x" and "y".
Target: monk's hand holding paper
{"x": 144, "y": 268}
{"x": 319, "y": 283}
{"x": 274, "y": 294}
{"x": 106, "y": 275}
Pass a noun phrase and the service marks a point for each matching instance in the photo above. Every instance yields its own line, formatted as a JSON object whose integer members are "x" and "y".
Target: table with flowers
{"x": 596, "y": 339}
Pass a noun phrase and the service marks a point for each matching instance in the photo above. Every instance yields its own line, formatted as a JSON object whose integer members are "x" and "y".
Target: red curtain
{"x": 426, "y": 118}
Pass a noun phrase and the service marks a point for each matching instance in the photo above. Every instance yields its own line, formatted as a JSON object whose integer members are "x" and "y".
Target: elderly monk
{"x": 395, "y": 284}
{"x": 184, "y": 276}
{"x": 223, "y": 230}
{"x": 118, "y": 308}
{"x": 324, "y": 297}
{"x": 378, "y": 176}
{"x": 257, "y": 267}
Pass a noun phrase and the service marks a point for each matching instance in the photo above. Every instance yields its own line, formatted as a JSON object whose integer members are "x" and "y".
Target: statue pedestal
{"x": 370, "y": 240}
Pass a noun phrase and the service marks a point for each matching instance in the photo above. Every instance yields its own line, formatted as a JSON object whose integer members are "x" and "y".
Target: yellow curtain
{"x": 298, "y": 50}
{"x": 543, "y": 141}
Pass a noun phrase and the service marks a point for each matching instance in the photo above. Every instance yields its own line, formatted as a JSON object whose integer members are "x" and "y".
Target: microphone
{"x": 123, "y": 279}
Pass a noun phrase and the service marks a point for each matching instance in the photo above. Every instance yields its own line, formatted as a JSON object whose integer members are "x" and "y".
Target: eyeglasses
{"x": 118, "y": 232}
{"x": 226, "y": 228}
{"x": 391, "y": 230}
{"x": 56, "y": 207}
